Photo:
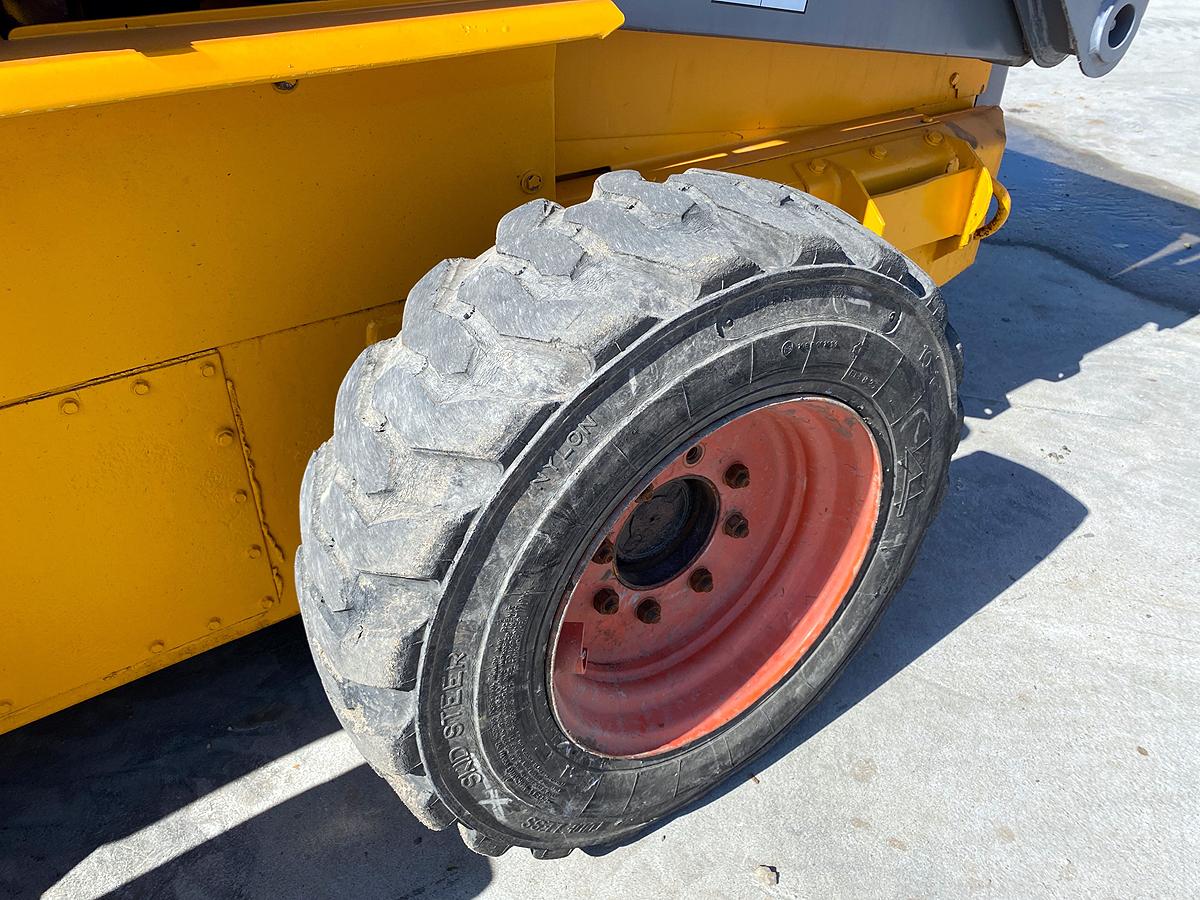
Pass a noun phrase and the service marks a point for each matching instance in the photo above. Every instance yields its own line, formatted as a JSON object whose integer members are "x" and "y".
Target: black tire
{"x": 530, "y": 391}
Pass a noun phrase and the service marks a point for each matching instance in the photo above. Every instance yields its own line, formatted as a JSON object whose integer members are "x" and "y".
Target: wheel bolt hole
{"x": 736, "y": 526}
{"x": 649, "y": 611}
{"x": 604, "y": 554}
{"x": 694, "y": 455}
{"x": 606, "y": 602}
{"x": 737, "y": 476}
{"x": 701, "y": 581}
{"x": 1122, "y": 25}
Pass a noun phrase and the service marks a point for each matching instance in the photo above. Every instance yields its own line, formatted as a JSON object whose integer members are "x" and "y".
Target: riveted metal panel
{"x": 131, "y": 532}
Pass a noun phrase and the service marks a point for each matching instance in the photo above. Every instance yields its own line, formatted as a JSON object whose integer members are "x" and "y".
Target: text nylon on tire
{"x": 620, "y": 501}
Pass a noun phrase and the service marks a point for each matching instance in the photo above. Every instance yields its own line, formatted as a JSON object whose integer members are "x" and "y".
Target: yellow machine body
{"x": 208, "y": 216}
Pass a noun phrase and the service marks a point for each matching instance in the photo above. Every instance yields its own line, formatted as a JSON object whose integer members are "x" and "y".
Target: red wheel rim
{"x": 714, "y": 582}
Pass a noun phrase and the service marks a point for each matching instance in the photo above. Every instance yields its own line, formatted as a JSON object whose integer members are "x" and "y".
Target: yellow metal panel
{"x": 149, "y": 230}
{"x": 152, "y": 61}
{"x": 280, "y": 228}
{"x": 138, "y": 524}
{"x": 637, "y": 96}
{"x": 131, "y": 533}
{"x": 284, "y": 386}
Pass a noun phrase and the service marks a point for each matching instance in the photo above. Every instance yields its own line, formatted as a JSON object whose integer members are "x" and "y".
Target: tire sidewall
{"x": 487, "y": 733}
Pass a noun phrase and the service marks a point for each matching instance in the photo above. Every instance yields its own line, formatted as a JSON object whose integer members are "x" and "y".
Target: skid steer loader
{"x": 613, "y": 493}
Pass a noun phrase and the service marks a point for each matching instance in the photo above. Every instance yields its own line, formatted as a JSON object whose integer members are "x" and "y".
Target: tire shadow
{"x": 998, "y": 521}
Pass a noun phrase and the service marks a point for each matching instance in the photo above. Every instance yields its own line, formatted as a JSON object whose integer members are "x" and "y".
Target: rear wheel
{"x": 620, "y": 501}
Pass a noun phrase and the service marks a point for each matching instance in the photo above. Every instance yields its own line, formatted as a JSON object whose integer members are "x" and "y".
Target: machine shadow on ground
{"x": 111, "y": 766}
{"x": 349, "y": 837}
{"x": 1023, "y": 319}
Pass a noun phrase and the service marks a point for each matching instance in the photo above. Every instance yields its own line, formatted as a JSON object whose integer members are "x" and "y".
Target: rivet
{"x": 254, "y": 552}
{"x": 240, "y": 496}
{"x": 879, "y": 151}
{"x": 285, "y": 87}
{"x": 69, "y": 407}
{"x": 5, "y": 707}
{"x": 157, "y": 647}
{"x": 208, "y": 370}
{"x": 928, "y": 120}
{"x": 214, "y": 623}
{"x": 224, "y": 437}
{"x": 933, "y": 138}
{"x": 531, "y": 182}
{"x": 141, "y": 387}
{"x": 818, "y": 166}
{"x": 268, "y": 602}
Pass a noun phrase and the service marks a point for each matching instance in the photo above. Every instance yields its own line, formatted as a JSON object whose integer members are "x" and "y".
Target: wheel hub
{"x": 716, "y": 579}
{"x": 665, "y": 532}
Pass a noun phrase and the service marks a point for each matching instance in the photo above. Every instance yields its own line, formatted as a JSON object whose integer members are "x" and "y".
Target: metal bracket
{"x": 1099, "y": 32}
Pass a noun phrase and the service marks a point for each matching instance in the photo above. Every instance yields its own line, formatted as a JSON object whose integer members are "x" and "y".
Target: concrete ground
{"x": 1024, "y": 723}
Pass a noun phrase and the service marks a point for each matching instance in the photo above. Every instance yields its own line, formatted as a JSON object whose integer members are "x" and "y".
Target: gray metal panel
{"x": 984, "y": 29}
{"x": 995, "y": 87}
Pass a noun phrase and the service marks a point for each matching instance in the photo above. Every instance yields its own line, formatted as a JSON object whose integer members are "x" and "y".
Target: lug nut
{"x": 737, "y": 476}
{"x": 693, "y": 455}
{"x": 701, "y": 581}
{"x": 649, "y": 611}
{"x": 737, "y": 526}
{"x": 606, "y": 602}
{"x": 604, "y": 554}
